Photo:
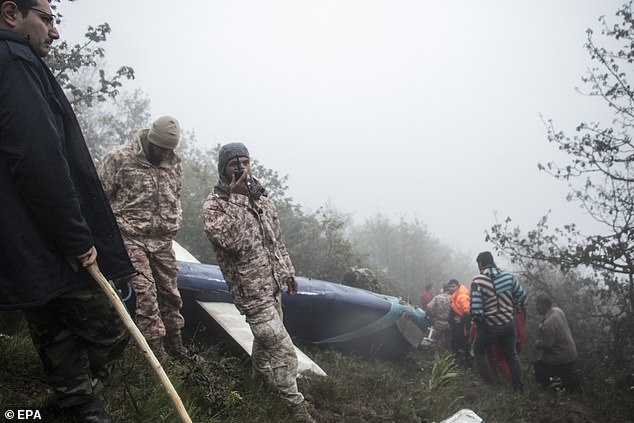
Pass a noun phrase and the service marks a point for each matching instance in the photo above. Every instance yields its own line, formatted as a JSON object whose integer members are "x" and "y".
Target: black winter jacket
{"x": 52, "y": 204}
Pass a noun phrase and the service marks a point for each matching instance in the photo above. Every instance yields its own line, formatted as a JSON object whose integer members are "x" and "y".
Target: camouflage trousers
{"x": 273, "y": 354}
{"x": 77, "y": 335}
{"x": 158, "y": 301}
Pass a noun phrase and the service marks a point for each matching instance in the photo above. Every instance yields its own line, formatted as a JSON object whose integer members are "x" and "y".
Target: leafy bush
{"x": 443, "y": 372}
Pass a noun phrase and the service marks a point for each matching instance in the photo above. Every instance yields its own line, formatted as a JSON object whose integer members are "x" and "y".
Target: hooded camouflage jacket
{"x": 145, "y": 198}
{"x": 247, "y": 240}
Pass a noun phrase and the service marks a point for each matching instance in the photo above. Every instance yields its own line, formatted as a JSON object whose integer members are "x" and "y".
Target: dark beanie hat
{"x": 485, "y": 258}
{"x": 228, "y": 152}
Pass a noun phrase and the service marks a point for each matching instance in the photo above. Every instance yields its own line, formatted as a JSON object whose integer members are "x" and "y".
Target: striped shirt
{"x": 495, "y": 295}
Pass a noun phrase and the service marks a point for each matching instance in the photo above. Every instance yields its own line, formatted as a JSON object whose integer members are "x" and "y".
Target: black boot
{"x": 300, "y": 413}
{"x": 158, "y": 349}
{"x": 92, "y": 411}
{"x": 174, "y": 346}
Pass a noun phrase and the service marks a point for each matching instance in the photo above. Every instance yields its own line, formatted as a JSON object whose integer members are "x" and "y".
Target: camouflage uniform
{"x": 438, "y": 311}
{"x": 247, "y": 240}
{"x": 77, "y": 336}
{"x": 273, "y": 353}
{"x": 157, "y": 304}
{"x": 363, "y": 278}
{"x": 145, "y": 199}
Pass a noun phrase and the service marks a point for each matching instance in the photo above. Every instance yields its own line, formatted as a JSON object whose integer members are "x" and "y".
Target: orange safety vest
{"x": 460, "y": 300}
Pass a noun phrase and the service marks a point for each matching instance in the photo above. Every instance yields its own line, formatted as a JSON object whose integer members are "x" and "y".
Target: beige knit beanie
{"x": 165, "y": 132}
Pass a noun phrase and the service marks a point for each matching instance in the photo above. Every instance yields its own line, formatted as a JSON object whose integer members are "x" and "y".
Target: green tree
{"x": 106, "y": 117}
{"x": 407, "y": 256}
{"x": 108, "y": 124}
{"x": 318, "y": 242}
{"x": 199, "y": 177}
{"x": 67, "y": 60}
{"x": 601, "y": 159}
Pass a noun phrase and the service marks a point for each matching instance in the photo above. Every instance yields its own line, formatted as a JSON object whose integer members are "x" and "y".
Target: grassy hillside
{"x": 424, "y": 387}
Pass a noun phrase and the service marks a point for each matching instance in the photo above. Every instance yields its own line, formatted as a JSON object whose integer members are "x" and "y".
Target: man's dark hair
{"x": 23, "y": 5}
{"x": 485, "y": 258}
{"x": 544, "y": 300}
{"x": 453, "y": 282}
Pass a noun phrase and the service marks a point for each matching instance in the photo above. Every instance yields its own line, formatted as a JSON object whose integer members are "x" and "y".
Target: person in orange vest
{"x": 459, "y": 319}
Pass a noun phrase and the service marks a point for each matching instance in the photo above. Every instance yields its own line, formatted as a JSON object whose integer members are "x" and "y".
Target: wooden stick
{"x": 140, "y": 340}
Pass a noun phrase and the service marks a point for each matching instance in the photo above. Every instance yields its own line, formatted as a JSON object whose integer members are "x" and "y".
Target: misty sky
{"x": 416, "y": 109}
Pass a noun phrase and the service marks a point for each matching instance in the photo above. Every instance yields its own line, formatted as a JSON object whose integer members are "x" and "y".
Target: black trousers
{"x": 459, "y": 336}
{"x": 544, "y": 371}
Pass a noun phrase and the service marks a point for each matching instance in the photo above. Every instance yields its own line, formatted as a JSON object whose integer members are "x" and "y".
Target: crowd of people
{"x": 488, "y": 322}
{"x": 67, "y": 216}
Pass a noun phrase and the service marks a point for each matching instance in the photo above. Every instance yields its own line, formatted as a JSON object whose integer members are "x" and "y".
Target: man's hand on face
{"x": 240, "y": 186}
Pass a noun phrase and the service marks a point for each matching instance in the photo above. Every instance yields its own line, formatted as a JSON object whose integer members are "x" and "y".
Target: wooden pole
{"x": 140, "y": 340}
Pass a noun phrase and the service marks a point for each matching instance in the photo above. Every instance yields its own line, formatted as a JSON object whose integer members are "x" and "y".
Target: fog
{"x": 427, "y": 110}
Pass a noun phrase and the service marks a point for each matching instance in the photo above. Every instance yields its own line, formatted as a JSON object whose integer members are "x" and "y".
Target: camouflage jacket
{"x": 247, "y": 240}
{"x": 438, "y": 311}
{"x": 145, "y": 198}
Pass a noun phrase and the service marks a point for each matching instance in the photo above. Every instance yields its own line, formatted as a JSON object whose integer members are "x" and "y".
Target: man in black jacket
{"x": 54, "y": 219}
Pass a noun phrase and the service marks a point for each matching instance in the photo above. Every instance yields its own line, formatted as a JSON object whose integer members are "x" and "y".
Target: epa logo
{"x": 23, "y": 414}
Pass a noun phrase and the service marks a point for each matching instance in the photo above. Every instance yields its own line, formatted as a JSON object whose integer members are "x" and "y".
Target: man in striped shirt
{"x": 495, "y": 298}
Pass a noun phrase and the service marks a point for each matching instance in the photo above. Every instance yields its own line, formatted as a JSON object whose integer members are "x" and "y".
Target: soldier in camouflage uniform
{"x": 363, "y": 278}
{"x": 438, "y": 311}
{"x": 243, "y": 227}
{"x": 55, "y": 220}
{"x": 143, "y": 181}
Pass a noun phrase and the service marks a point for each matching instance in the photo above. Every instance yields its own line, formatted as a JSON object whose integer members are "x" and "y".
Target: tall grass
{"x": 444, "y": 370}
{"x": 424, "y": 387}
